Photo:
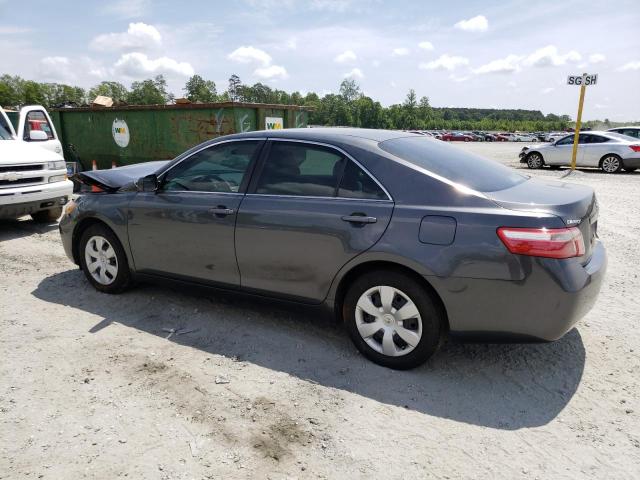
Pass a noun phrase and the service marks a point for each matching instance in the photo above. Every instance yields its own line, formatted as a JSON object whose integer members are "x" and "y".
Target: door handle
{"x": 222, "y": 211}
{"x": 359, "y": 219}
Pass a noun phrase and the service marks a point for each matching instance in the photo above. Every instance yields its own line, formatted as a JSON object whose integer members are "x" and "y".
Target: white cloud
{"x": 400, "y": 52}
{"x": 14, "y": 30}
{"x": 426, "y": 46}
{"x": 376, "y": 63}
{"x": 476, "y": 24}
{"x": 137, "y": 65}
{"x": 271, "y": 72}
{"x": 355, "y": 73}
{"x": 597, "y": 58}
{"x": 550, "y": 56}
{"x": 346, "y": 56}
{"x": 633, "y": 65}
{"x": 338, "y": 6}
{"x": 445, "y": 62}
{"x": 458, "y": 79}
{"x": 250, "y": 55}
{"x": 509, "y": 64}
{"x": 56, "y": 69}
{"x": 128, "y": 8}
{"x": 544, "y": 91}
{"x": 139, "y": 36}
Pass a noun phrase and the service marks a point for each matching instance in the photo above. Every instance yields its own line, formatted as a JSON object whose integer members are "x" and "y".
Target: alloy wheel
{"x": 534, "y": 160}
{"x": 388, "y": 321}
{"x": 101, "y": 260}
{"x": 611, "y": 164}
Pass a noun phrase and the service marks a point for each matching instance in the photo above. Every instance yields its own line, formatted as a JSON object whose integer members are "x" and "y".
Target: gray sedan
{"x": 609, "y": 151}
{"x": 403, "y": 238}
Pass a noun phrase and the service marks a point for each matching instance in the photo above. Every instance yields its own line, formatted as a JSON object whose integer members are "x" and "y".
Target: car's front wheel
{"x": 392, "y": 319}
{"x": 611, "y": 164}
{"x": 103, "y": 260}
{"x": 534, "y": 160}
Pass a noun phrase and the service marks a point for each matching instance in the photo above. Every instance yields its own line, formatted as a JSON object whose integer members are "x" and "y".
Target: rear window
{"x": 454, "y": 164}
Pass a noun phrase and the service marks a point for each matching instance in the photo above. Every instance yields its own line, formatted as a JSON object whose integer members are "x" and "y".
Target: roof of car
{"x": 329, "y": 133}
{"x": 623, "y": 128}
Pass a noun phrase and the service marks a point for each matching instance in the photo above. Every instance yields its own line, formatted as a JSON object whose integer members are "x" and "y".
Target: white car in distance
{"x": 608, "y": 151}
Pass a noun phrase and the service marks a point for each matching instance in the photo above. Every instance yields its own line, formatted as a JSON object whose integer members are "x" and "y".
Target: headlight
{"x": 57, "y": 178}
{"x": 57, "y": 165}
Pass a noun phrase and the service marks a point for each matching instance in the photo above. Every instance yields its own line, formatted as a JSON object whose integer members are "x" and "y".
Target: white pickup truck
{"x": 33, "y": 174}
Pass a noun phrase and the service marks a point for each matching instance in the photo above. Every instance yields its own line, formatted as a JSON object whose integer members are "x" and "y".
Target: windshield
{"x": 5, "y": 131}
{"x": 454, "y": 164}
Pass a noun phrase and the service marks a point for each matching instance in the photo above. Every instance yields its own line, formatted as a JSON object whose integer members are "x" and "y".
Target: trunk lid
{"x": 118, "y": 178}
{"x": 575, "y": 204}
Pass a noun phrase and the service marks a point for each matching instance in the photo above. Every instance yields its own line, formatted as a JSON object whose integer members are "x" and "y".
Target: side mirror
{"x": 38, "y": 136}
{"x": 149, "y": 183}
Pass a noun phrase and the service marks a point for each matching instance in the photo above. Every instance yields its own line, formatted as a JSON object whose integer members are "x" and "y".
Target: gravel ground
{"x": 96, "y": 386}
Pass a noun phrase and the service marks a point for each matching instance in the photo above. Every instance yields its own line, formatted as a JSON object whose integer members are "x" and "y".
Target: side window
{"x": 300, "y": 169}
{"x": 631, "y": 133}
{"x": 356, "y": 183}
{"x": 565, "y": 141}
{"x": 5, "y": 130}
{"x": 219, "y": 168}
{"x": 584, "y": 138}
{"x": 36, "y": 120}
{"x": 598, "y": 139}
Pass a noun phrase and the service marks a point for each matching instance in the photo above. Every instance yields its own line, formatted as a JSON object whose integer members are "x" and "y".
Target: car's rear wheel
{"x": 103, "y": 260}
{"x": 611, "y": 163}
{"x": 392, "y": 319}
{"x": 47, "y": 216}
{"x": 535, "y": 160}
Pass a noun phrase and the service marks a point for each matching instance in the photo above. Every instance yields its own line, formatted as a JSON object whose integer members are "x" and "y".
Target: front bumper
{"x": 544, "y": 306}
{"x": 15, "y": 202}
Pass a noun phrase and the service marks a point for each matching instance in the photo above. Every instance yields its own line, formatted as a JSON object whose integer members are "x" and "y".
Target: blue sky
{"x": 507, "y": 54}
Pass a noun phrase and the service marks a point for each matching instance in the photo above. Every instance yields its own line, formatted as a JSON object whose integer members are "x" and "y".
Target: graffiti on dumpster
{"x": 120, "y": 132}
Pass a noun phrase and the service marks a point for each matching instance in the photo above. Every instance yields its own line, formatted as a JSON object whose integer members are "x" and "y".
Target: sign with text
{"x": 584, "y": 79}
{"x": 273, "y": 123}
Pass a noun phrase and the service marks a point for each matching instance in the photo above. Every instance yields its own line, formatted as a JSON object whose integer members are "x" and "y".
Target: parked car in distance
{"x": 405, "y": 239}
{"x": 503, "y": 137}
{"x": 457, "y": 137}
{"x": 524, "y": 137}
{"x": 553, "y": 136}
{"x": 33, "y": 178}
{"x": 628, "y": 131}
{"x": 486, "y": 137}
{"x": 609, "y": 151}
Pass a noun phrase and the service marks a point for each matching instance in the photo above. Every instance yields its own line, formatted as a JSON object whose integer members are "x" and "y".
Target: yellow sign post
{"x": 582, "y": 80}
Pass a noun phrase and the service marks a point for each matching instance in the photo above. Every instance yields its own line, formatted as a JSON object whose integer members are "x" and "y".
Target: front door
{"x": 311, "y": 210}
{"x": 186, "y": 229}
{"x": 560, "y": 152}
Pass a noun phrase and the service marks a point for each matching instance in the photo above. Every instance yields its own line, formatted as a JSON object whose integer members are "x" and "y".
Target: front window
{"x": 219, "y": 168}
{"x": 5, "y": 130}
{"x": 568, "y": 140}
{"x": 457, "y": 166}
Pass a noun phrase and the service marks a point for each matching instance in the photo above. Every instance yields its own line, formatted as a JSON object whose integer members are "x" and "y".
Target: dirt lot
{"x": 91, "y": 387}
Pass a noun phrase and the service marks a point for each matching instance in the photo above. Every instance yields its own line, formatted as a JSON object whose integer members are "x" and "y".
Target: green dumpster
{"x": 132, "y": 134}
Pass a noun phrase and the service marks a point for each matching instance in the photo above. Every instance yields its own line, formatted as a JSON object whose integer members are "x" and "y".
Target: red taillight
{"x": 635, "y": 148}
{"x": 543, "y": 242}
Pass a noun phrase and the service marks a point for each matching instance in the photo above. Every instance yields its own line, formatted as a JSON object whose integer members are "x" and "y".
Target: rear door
{"x": 310, "y": 209}
{"x": 594, "y": 148}
{"x": 36, "y": 118}
{"x": 186, "y": 229}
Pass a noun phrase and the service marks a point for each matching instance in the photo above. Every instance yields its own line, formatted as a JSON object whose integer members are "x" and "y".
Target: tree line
{"x": 349, "y": 107}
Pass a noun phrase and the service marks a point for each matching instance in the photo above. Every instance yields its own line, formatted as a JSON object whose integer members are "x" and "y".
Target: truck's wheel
{"x": 47, "y": 216}
{"x": 103, "y": 260}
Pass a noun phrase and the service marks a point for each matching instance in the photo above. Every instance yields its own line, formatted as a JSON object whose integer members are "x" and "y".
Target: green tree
{"x": 57, "y": 94}
{"x": 150, "y": 92}
{"x": 200, "y": 90}
{"x": 11, "y": 90}
{"x": 116, "y": 91}
{"x": 350, "y": 90}
{"x": 235, "y": 88}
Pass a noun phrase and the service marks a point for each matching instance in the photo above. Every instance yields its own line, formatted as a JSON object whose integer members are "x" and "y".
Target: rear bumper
{"x": 544, "y": 306}
{"x": 18, "y": 202}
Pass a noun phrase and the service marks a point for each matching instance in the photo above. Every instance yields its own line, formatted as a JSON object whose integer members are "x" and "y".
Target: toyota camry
{"x": 403, "y": 238}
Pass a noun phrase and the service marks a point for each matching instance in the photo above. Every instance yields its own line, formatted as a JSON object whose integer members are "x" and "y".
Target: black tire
{"x": 122, "y": 279}
{"x": 611, "y": 163}
{"x": 430, "y": 312}
{"x": 47, "y": 216}
{"x": 535, "y": 160}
